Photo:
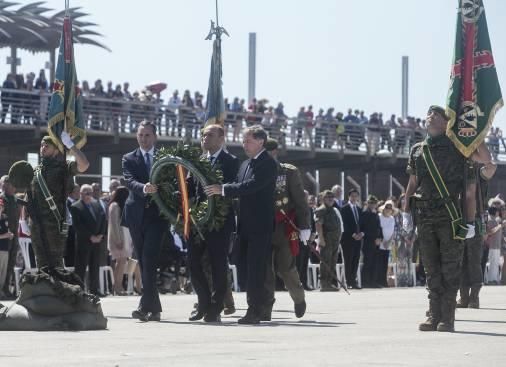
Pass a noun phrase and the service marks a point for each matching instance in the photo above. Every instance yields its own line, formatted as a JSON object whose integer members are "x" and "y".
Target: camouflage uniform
{"x": 472, "y": 275}
{"x": 332, "y": 232}
{"x": 289, "y": 197}
{"x": 47, "y": 241}
{"x": 12, "y": 212}
{"x": 441, "y": 253}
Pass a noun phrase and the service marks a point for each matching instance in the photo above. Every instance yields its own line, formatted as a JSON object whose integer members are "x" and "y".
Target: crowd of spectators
{"x": 116, "y": 108}
{"x": 385, "y": 245}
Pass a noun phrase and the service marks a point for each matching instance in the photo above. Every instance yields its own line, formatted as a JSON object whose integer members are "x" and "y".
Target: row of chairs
{"x": 313, "y": 271}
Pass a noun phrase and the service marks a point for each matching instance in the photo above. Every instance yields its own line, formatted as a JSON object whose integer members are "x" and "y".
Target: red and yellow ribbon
{"x": 185, "y": 203}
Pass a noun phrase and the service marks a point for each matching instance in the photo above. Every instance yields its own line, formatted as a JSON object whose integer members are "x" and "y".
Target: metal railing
{"x": 121, "y": 116}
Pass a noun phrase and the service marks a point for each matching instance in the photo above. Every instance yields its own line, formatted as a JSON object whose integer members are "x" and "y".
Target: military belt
{"x": 431, "y": 204}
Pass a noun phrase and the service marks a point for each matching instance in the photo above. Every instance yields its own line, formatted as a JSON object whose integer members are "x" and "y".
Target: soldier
{"x": 437, "y": 188}
{"x": 57, "y": 181}
{"x": 12, "y": 212}
{"x": 292, "y": 226}
{"x": 329, "y": 226}
{"x": 472, "y": 276}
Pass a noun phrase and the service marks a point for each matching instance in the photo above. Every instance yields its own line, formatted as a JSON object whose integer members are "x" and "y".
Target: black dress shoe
{"x": 300, "y": 309}
{"x": 251, "y": 318}
{"x": 229, "y": 310}
{"x": 212, "y": 317}
{"x": 154, "y": 316}
{"x": 140, "y": 315}
{"x": 196, "y": 315}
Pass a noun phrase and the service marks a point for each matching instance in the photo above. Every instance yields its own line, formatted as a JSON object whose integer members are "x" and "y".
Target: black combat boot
{"x": 433, "y": 316}
{"x": 474, "y": 298}
{"x": 463, "y": 301}
{"x": 447, "y": 322}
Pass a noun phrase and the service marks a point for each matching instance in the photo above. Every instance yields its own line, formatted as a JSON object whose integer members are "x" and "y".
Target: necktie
{"x": 212, "y": 158}
{"x": 90, "y": 208}
{"x": 250, "y": 167}
{"x": 355, "y": 214}
{"x": 148, "y": 163}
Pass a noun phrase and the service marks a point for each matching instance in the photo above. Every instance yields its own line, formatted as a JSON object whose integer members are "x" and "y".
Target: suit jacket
{"x": 349, "y": 222}
{"x": 83, "y": 222}
{"x": 136, "y": 176}
{"x": 229, "y": 165}
{"x": 255, "y": 189}
{"x": 371, "y": 226}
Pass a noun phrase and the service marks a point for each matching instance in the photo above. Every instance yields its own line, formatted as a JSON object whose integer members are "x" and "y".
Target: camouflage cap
{"x": 440, "y": 110}
{"x": 49, "y": 140}
{"x": 21, "y": 174}
{"x": 271, "y": 144}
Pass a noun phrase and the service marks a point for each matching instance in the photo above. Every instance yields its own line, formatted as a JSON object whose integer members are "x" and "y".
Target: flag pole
{"x": 217, "y": 19}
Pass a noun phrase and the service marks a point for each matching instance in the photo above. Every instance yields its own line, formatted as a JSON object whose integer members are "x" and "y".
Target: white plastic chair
{"x": 235, "y": 280}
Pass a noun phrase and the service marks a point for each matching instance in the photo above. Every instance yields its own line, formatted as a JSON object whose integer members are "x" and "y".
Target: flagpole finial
{"x": 216, "y": 31}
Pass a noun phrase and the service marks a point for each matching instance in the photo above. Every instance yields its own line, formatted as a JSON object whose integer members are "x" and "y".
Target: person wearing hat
{"x": 292, "y": 227}
{"x": 436, "y": 186}
{"x": 58, "y": 176}
{"x": 371, "y": 227}
{"x": 329, "y": 226}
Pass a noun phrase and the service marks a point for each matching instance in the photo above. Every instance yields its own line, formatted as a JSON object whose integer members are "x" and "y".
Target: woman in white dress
{"x": 119, "y": 241}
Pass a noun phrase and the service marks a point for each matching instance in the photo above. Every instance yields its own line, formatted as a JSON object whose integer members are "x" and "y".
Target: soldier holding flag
{"x": 442, "y": 184}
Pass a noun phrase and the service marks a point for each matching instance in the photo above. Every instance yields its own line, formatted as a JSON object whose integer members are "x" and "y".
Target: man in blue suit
{"x": 143, "y": 219}
{"x": 255, "y": 186}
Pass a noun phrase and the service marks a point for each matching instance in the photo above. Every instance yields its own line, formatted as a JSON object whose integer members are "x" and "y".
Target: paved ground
{"x": 370, "y": 327}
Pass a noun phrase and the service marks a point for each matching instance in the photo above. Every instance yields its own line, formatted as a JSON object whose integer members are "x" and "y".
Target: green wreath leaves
{"x": 207, "y": 215}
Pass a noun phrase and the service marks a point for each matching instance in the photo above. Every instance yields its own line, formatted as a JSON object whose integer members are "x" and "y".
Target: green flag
{"x": 65, "y": 109}
{"x": 474, "y": 96}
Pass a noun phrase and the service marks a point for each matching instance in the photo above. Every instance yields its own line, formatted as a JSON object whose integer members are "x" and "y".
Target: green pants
{"x": 442, "y": 259}
{"x": 50, "y": 251}
{"x": 284, "y": 265}
{"x": 328, "y": 254}
{"x": 472, "y": 275}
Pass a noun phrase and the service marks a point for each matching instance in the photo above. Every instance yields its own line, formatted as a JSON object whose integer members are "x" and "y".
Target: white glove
{"x": 66, "y": 140}
{"x": 407, "y": 222}
{"x": 470, "y": 231}
{"x": 304, "y": 235}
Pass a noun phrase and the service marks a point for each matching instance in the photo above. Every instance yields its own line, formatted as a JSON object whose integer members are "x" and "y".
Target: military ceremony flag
{"x": 474, "y": 95}
{"x": 65, "y": 109}
{"x": 215, "y": 105}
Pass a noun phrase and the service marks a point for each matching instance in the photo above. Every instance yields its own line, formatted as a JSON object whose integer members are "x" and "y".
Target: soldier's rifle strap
{"x": 48, "y": 197}
{"x": 458, "y": 226}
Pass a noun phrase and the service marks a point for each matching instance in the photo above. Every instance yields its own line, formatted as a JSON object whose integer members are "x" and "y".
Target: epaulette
{"x": 289, "y": 166}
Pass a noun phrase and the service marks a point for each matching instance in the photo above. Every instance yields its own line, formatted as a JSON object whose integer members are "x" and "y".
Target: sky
{"x": 328, "y": 53}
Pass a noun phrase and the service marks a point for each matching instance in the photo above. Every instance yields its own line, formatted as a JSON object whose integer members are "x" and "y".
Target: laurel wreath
{"x": 207, "y": 215}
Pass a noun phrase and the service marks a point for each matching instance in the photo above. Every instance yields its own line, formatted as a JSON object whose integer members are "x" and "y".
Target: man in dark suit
{"x": 255, "y": 186}
{"x": 88, "y": 220}
{"x": 70, "y": 247}
{"x": 143, "y": 219}
{"x": 352, "y": 237}
{"x": 216, "y": 243}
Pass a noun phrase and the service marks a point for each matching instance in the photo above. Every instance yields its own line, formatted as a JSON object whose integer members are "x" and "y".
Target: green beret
{"x": 271, "y": 144}
{"x": 21, "y": 174}
{"x": 372, "y": 199}
{"x": 49, "y": 140}
{"x": 440, "y": 110}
